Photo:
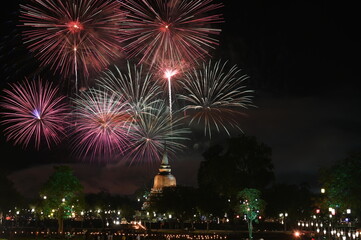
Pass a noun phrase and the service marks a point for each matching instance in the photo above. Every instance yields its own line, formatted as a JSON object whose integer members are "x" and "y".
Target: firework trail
{"x": 34, "y": 112}
{"x": 69, "y": 35}
{"x": 170, "y": 71}
{"x": 214, "y": 96}
{"x": 152, "y": 131}
{"x": 138, "y": 86}
{"x": 176, "y": 29}
{"x": 103, "y": 125}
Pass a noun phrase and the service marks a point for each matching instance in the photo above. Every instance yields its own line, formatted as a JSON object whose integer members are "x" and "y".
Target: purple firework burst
{"x": 33, "y": 111}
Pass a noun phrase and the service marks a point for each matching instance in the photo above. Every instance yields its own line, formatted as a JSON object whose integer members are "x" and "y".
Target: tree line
{"x": 236, "y": 182}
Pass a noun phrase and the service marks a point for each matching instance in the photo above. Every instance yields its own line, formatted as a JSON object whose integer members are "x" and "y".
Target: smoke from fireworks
{"x": 34, "y": 112}
{"x": 214, "y": 96}
{"x": 68, "y": 35}
{"x": 102, "y": 125}
{"x": 176, "y": 29}
{"x": 153, "y": 131}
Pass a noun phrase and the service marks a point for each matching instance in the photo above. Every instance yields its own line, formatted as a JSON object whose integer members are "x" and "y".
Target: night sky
{"x": 303, "y": 60}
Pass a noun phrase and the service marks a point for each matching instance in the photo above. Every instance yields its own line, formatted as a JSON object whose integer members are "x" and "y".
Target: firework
{"x": 170, "y": 71}
{"x": 137, "y": 85}
{"x": 34, "y": 112}
{"x": 68, "y": 35}
{"x": 177, "y": 29}
{"x": 170, "y": 68}
{"x": 214, "y": 96}
{"x": 102, "y": 127}
{"x": 153, "y": 131}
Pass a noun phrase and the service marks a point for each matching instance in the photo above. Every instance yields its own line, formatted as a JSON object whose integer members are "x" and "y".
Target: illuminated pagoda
{"x": 163, "y": 179}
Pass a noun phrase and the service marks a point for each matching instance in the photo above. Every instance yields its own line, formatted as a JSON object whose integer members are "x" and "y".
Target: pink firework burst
{"x": 68, "y": 35}
{"x": 103, "y": 125}
{"x": 176, "y": 29}
{"x": 34, "y": 112}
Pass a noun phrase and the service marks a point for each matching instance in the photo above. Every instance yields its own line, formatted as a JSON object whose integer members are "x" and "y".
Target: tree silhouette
{"x": 298, "y": 203}
{"x": 180, "y": 201}
{"x": 12, "y": 199}
{"x": 341, "y": 182}
{"x": 242, "y": 162}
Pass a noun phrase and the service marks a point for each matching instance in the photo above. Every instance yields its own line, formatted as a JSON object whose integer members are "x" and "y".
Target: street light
{"x": 284, "y": 216}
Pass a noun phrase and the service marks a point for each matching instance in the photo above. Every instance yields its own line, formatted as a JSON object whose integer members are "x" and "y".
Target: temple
{"x": 163, "y": 179}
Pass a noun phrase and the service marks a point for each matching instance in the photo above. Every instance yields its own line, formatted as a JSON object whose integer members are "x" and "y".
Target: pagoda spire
{"x": 165, "y": 158}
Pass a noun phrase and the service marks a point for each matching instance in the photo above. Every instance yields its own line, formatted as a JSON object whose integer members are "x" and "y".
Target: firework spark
{"x": 177, "y": 29}
{"x": 169, "y": 70}
{"x": 215, "y": 97}
{"x": 34, "y": 112}
{"x": 103, "y": 125}
{"x": 68, "y": 35}
{"x": 137, "y": 85}
{"x": 153, "y": 130}
{"x": 169, "y": 73}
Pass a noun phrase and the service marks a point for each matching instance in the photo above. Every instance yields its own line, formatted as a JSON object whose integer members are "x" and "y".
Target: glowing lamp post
{"x": 283, "y": 217}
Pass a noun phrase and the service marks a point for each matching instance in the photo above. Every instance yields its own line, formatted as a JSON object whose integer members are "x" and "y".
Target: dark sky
{"x": 303, "y": 61}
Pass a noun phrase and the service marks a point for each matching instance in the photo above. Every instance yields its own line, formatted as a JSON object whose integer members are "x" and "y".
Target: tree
{"x": 241, "y": 162}
{"x": 180, "y": 201}
{"x": 342, "y": 184}
{"x": 295, "y": 200}
{"x": 62, "y": 195}
{"x": 106, "y": 201}
{"x": 251, "y": 206}
{"x": 12, "y": 197}
{"x": 186, "y": 203}
{"x": 211, "y": 204}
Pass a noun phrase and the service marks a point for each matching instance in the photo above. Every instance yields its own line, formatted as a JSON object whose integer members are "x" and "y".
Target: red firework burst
{"x": 174, "y": 29}
{"x": 68, "y": 35}
{"x": 34, "y": 112}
